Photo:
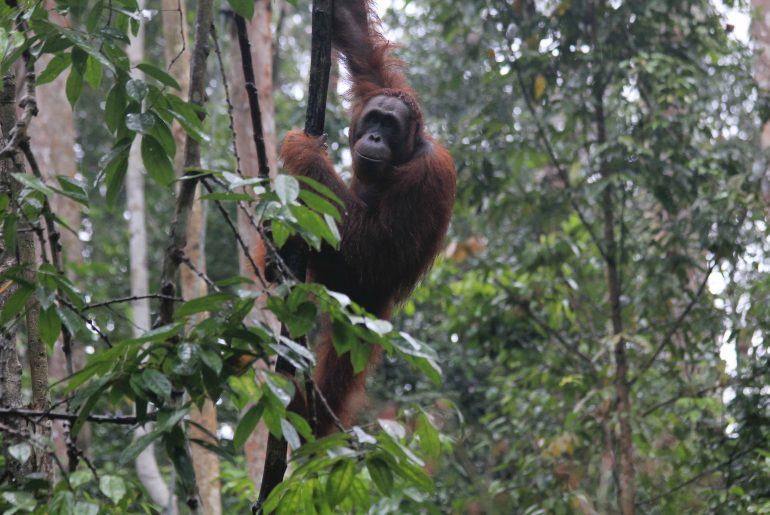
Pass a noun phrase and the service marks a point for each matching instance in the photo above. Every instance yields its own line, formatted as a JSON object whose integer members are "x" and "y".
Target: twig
{"x": 228, "y": 100}
{"x": 121, "y": 300}
{"x": 654, "y": 499}
{"x": 675, "y": 326}
{"x": 38, "y": 415}
{"x": 237, "y": 235}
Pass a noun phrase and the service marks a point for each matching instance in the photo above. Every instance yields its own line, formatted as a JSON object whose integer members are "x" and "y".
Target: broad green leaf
{"x": 213, "y": 303}
{"x": 359, "y": 356}
{"x": 113, "y": 487}
{"x": 140, "y": 122}
{"x": 244, "y": 8}
{"x": 50, "y": 326}
{"x": 56, "y": 66}
{"x": 287, "y": 188}
{"x": 21, "y": 452}
{"x": 15, "y": 303}
{"x": 157, "y": 383}
{"x": 428, "y": 435}
{"x": 93, "y": 72}
{"x": 246, "y": 425}
{"x": 74, "y": 86}
{"x": 159, "y": 75}
{"x": 157, "y": 162}
{"x": 129, "y": 454}
{"x": 136, "y": 89}
{"x": 339, "y": 481}
{"x": 381, "y": 474}
{"x": 290, "y": 434}
{"x": 115, "y": 105}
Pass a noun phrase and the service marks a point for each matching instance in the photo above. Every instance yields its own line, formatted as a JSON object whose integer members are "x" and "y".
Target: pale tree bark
{"x": 261, "y": 38}
{"x": 177, "y": 56}
{"x": 52, "y": 136}
{"x": 146, "y": 463}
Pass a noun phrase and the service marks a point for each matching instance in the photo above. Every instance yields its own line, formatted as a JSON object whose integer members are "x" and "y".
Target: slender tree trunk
{"x": 760, "y": 35}
{"x": 177, "y": 56}
{"x": 55, "y": 153}
{"x": 260, "y": 36}
{"x": 37, "y": 354}
{"x": 177, "y": 240}
{"x": 10, "y": 365}
{"x": 622, "y": 388}
{"x": 146, "y": 463}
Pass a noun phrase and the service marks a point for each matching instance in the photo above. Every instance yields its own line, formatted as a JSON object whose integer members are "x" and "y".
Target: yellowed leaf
{"x": 539, "y": 86}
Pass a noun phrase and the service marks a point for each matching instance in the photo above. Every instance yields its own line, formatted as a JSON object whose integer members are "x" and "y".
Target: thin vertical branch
{"x": 252, "y": 94}
{"x": 178, "y": 235}
{"x": 320, "y": 68}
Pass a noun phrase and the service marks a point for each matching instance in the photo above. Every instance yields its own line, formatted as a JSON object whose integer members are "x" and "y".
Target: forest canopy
{"x": 591, "y": 338}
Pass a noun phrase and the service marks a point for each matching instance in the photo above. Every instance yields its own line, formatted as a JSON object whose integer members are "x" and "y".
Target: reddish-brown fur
{"x": 392, "y": 229}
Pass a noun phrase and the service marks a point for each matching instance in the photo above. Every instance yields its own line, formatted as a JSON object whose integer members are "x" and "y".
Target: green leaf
{"x": 50, "y": 325}
{"x": 287, "y": 188}
{"x": 187, "y": 115}
{"x": 21, "y": 501}
{"x": 381, "y": 474}
{"x": 9, "y": 233}
{"x": 94, "y": 16}
{"x": 140, "y": 122}
{"x": 281, "y": 387}
{"x": 243, "y": 7}
{"x": 157, "y": 162}
{"x": 211, "y": 359}
{"x": 161, "y": 131}
{"x": 93, "y": 73}
{"x": 56, "y": 66}
{"x": 136, "y": 89}
{"x": 113, "y": 487}
{"x": 15, "y": 303}
{"x": 246, "y": 425}
{"x": 213, "y": 303}
{"x": 429, "y": 438}
{"x": 34, "y": 183}
{"x": 320, "y": 204}
{"x": 115, "y": 105}
{"x": 290, "y": 434}
{"x": 280, "y": 232}
{"x": 21, "y": 452}
{"x": 74, "y": 86}
{"x": 156, "y": 382}
{"x": 359, "y": 356}
{"x": 73, "y": 189}
{"x": 159, "y": 75}
{"x": 115, "y": 173}
{"x": 135, "y": 448}
{"x": 340, "y": 479}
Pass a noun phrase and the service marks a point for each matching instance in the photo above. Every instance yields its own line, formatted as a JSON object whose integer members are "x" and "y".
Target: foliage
{"x": 547, "y": 106}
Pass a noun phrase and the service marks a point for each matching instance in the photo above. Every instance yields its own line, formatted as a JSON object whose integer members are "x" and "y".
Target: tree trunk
{"x": 627, "y": 490}
{"x": 55, "y": 154}
{"x": 146, "y": 464}
{"x": 760, "y": 35}
{"x": 10, "y": 366}
{"x": 37, "y": 354}
{"x": 177, "y": 56}
{"x": 260, "y": 36}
